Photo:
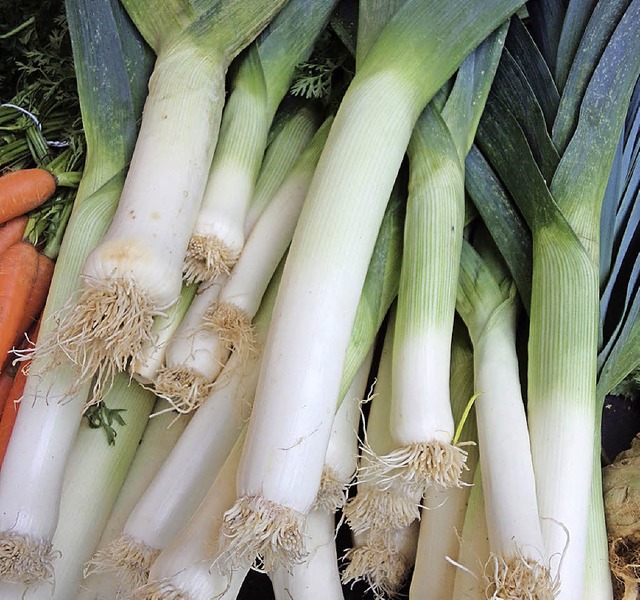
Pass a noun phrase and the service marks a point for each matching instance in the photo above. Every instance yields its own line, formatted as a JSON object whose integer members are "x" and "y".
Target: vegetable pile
{"x": 315, "y": 266}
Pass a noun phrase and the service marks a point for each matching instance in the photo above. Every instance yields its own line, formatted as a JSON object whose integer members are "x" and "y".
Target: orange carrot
{"x": 37, "y": 296}
{"x": 24, "y": 190}
{"x": 12, "y": 232}
{"x": 18, "y": 270}
{"x": 10, "y": 411}
{"x": 6, "y": 381}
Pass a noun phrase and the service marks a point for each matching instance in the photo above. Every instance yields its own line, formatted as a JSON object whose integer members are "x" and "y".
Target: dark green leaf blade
{"x": 506, "y": 226}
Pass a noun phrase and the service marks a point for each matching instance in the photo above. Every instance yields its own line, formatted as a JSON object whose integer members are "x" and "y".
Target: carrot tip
{"x": 24, "y": 559}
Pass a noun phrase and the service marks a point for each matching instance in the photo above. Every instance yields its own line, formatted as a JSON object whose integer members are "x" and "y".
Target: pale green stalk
{"x": 158, "y": 439}
{"x": 291, "y": 133}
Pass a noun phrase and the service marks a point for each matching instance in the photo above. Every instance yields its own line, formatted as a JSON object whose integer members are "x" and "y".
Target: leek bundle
{"x": 135, "y": 273}
{"x": 565, "y": 145}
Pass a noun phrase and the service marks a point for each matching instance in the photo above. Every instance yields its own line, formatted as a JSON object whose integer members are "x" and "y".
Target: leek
{"x": 443, "y": 511}
{"x": 261, "y": 82}
{"x": 518, "y": 564}
{"x": 421, "y": 418}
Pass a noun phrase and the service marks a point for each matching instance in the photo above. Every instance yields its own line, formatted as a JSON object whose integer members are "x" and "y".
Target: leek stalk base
{"x": 129, "y": 558}
{"x": 207, "y": 258}
{"x": 184, "y": 388}
{"x": 233, "y": 325}
{"x": 518, "y": 578}
{"x": 110, "y": 323}
{"x": 24, "y": 559}
{"x": 373, "y": 508}
{"x": 420, "y": 465}
{"x": 332, "y": 494}
{"x": 379, "y": 565}
{"x": 257, "y": 527}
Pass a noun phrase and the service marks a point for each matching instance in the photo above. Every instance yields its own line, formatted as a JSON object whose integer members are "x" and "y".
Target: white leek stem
{"x": 383, "y": 561}
{"x": 218, "y": 233}
{"x": 195, "y": 354}
{"x": 186, "y": 566}
{"x": 515, "y": 536}
{"x": 323, "y": 278}
{"x": 259, "y": 86}
{"x": 317, "y": 578}
{"x": 241, "y": 295}
{"x": 31, "y": 476}
{"x": 152, "y": 355}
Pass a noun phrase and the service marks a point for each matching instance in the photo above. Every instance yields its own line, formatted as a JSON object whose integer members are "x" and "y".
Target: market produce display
{"x": 318, "y": 299}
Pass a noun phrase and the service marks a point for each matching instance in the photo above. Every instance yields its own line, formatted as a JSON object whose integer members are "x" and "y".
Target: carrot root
{"x": 18, "y": 270}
